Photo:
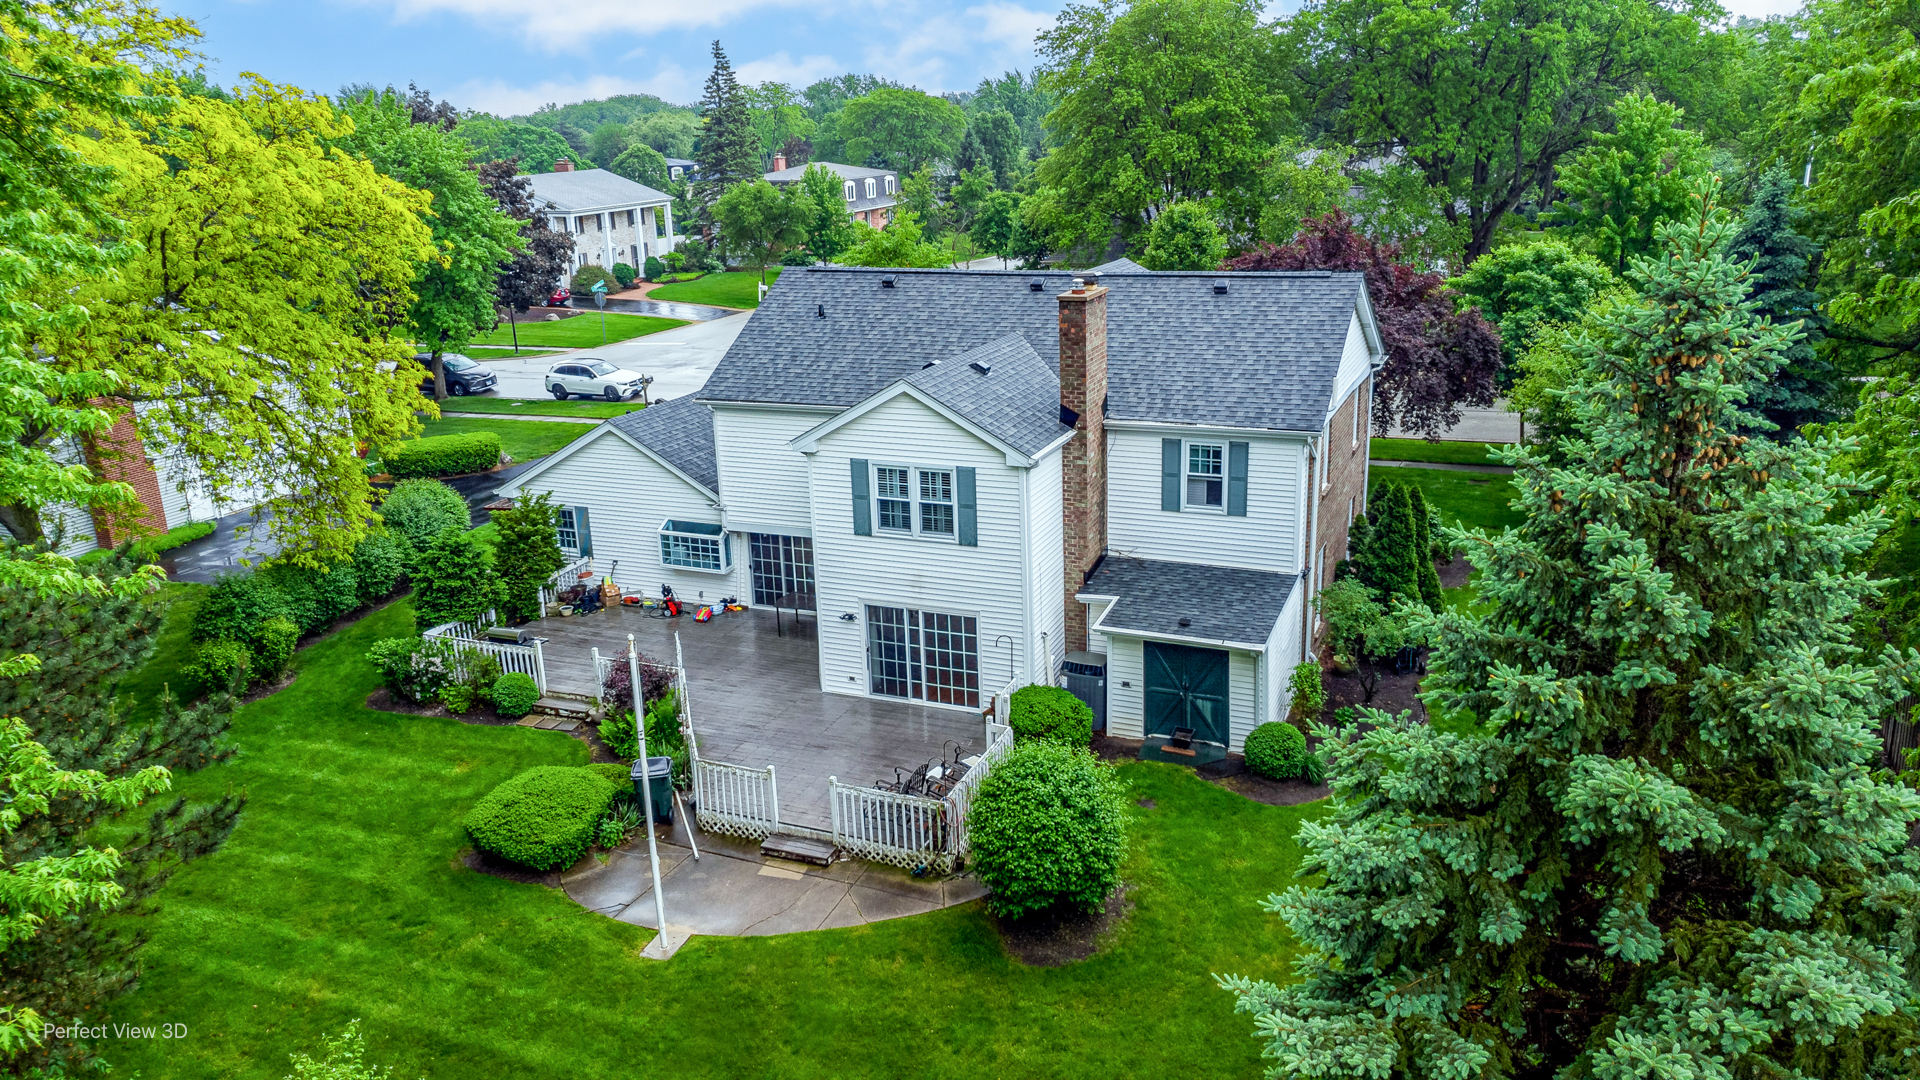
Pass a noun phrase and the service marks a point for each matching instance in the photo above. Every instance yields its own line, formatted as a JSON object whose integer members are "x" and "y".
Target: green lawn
{"x": 1472, "y": 499}
{"x": 1456, "y": 453}
{"x": 173, "y": 649}
{"x": 736, "y": 289}
{"x": 505, "y": 352}
{"x": 523, "y": 440}
{"x": 539, "y": 407}
{"x": 579, "y": 332}
{"x": 341, "y": 896}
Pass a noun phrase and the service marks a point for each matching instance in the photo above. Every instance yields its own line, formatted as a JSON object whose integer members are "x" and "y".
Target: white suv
{"x": 592, "y": 378}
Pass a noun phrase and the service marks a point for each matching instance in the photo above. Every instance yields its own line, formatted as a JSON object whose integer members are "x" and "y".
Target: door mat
{"x": 1200, "y": 753}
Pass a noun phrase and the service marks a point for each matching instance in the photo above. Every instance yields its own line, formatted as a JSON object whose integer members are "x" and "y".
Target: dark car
{"x": 464, "y": 375}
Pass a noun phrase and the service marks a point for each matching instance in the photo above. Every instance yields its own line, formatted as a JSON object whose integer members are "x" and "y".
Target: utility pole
{"x": 646, "y": 782}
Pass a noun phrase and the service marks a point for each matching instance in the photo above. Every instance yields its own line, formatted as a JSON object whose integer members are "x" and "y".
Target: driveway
{"x": 679, "y": 359}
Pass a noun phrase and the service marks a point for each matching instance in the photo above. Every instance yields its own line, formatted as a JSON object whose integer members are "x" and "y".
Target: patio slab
{"x": 755, "y": 698}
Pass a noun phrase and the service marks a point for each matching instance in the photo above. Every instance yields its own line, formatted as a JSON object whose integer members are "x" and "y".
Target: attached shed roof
{"x": 1221, "y": 603}
{"x": 593, "y": 189}
{"x": 681, "y": 432}
{"x": 1263, "y": 354}
{"x": 1002, "y": 386}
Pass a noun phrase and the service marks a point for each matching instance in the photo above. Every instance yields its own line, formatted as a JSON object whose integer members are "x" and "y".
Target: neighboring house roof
{"x": 680, "y": 161}
{"x": 593, "y": 189}
{"x": 1016, "y": 399}
{"x": 680, "y": 432}
{"x": 882, "y": 198}
{"x": 1121, "y": 265}
{"x": 1263, "y": 355}
{"x": 1223, "y": 604}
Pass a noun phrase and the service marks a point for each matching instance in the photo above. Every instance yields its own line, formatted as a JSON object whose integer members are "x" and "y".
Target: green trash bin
{"x": 658, "y": 774}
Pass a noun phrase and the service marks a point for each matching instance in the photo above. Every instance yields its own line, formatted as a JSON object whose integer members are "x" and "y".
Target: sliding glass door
{"x": 923, "y": 655}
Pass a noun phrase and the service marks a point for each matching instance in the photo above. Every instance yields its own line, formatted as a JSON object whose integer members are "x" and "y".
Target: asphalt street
{"x": 679, "y": 360}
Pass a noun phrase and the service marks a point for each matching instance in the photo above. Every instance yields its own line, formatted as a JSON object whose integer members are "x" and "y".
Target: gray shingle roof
{"x": 592, "y": 189}
{"x": 1264, "y": 354}
{"x": 1224, "y": 603}
{"x": 1017, "y": 400}
{"x": 1121, "y": 265}
{"x": 881, "y": 196}
{"x": 681, "y": 431}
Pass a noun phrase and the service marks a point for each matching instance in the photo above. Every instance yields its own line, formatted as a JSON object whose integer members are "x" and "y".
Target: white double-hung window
{"x": 915, "y": 501}
{"x": 870, "y": 187}
{"x": 1206, "y": 475}
{"x": 695, "y": 545}
{"x": 850, "y": 193}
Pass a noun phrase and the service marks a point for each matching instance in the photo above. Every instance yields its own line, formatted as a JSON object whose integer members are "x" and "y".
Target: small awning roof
{"x": 1222, "y": 604}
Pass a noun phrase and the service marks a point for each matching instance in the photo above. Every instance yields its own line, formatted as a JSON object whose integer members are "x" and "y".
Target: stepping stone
{"x": 798, "y": 848}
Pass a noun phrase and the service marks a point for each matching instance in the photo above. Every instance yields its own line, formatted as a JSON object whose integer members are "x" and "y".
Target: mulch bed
{"x": 1229, "y": 772}
{"x": 485, "y": 862}
{"x": 1056, "y": 938}
{"x": 259, "y": 692}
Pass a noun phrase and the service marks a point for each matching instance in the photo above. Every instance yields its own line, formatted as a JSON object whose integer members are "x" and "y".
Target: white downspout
{"x": 1316, "y": 447}
{"x": 1026, "y": 583}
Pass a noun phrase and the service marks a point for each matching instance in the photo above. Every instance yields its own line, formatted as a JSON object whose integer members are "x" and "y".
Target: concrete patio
{"x": 756, "y": 701}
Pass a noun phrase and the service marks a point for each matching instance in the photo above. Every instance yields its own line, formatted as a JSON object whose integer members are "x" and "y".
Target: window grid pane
{"x": 950, "y": 659}
{"x": 1203, "y": 460}
{"x": 782, "y": 570}
{"x": 936, "y": 518}
{"x": 569, "y": 533}
{"x": 698, "y": 552}
{"x": 887, "y": 650}
{"x": 1205, "y": 474}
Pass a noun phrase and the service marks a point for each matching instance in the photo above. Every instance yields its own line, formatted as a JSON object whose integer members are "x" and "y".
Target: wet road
{"x": 679, "y": 359}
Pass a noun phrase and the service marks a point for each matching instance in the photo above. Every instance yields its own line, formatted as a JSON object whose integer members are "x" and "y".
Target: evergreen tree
{"x": 1384, "y": 556}
{"x": 454, "y": 580}
{"x": 729, "y": 150}
{"x": 1423, "y": 554}
{"x": 71, "y": 964}
{"x": 526, "y": 554}
{"x": 1802, "y": 390}
{"x": 1670, "y": 856}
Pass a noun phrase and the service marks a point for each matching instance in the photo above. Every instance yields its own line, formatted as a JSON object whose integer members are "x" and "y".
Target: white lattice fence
{"x": 736, "y": 800}
{"x": 999, "y": 741}
{"x": 469, "y": 638}
{"x": 909, "y": 831}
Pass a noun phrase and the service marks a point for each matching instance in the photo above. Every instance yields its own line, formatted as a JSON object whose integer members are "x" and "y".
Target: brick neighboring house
{"x": 611, "y": 218}
{"x": 871, "y": 194}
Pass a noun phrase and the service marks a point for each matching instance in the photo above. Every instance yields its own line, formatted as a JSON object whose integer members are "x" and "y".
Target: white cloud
{"x": 561, "y": 33}
{"x": 779, "y": 67}
{"x": 1010, "y": 25}
{"x": 505, "y": 99}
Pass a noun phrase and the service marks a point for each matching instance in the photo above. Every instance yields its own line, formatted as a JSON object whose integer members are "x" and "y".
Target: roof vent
{"x": 886, "y": 281}
{"x": 1036, "y": 285}
{"x": 823, "y": 311}
{"x": 984, "y": 369}
{"x": 1219, "y": 286}
{"x": 1184, "y": 623}
{"x": 928, "y": 364}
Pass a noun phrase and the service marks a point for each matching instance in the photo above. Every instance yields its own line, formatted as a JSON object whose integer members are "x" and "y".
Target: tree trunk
{"x": 439, "y": 367}
{"x": 21, "y": 522}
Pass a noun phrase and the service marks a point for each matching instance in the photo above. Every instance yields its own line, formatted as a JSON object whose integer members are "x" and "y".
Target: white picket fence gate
{"x": 564, "y": 578}
{"x": 470, "y": 637}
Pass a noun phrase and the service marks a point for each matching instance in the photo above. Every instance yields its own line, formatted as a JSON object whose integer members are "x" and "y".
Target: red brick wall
{"x": 1346, "y": 479}
{"x": 1083, "y": 388}
{"x": 118, "y": 455}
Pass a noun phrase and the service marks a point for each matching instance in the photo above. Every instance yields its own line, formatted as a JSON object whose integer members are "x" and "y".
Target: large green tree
{"x": 901, "y": 243}
{"x": 1669, "y": 854}
{"x": 1159, "y": 102}
{"x": 759, "y": 222}
{"x": 829, "y": 227}
{"x": 1804, "y": 388}
{"x": 454, "y": 287}
{"x": 1484, "y": 97}
{"x": 1522, "y": 287}
{"x": 673, "y": 132}
{"x": 729, "y": 151}
{"x": 904, "y": 128}
{"x": 1618, "y": 190}
{"x": 1184, "y": 237}
{"x": 536, "y": 148}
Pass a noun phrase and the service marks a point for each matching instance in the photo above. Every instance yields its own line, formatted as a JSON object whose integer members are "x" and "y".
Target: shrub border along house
{"x": 1052, "y": 714}
{"x": 442, "y": 455}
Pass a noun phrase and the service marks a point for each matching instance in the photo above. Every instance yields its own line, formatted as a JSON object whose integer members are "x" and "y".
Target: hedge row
{"x": 443, "y": 455}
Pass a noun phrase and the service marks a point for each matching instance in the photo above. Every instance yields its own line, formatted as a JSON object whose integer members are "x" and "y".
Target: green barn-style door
{"x": 1186, "y": 687}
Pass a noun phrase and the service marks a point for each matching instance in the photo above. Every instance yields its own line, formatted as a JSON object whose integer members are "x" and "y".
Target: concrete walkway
{"x": 732, "y": 891}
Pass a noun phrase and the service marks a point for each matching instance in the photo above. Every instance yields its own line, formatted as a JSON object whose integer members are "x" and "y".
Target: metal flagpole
{"x": 646, "y": 772}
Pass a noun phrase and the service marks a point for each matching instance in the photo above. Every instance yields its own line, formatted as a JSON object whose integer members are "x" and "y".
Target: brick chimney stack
{"x": 1083, "y": 389}
{"x": 779, "y": 162}
{"x": 563, "y": 165}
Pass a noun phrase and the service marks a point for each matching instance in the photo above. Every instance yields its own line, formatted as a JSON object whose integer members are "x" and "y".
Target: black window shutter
{"x": 862, "y": 501}
{"x": 1236, "y": 479}
{"x": 969, "y": 510}
{"x": 1170, "y": 475}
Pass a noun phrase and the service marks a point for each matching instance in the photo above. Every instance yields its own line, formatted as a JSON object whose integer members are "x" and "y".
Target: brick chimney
{"x": 563, "y": 165}
{"x": 119, "y": 455}
{"x": 1083, "y": 389}
{"x": 779, "y": 162}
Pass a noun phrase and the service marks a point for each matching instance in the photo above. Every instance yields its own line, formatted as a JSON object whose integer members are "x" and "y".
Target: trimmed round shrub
{"x": 379, "y": 562}
{"x": 237, "y": 606}
{"x": 1277, "y": 751}
{"x": 514, "y": 695}
{"x": 442, "y": 455}
{"x": 585, "y": 278}
{"x": 1052, "y": 714}
{"x": 624, "y": 274}
{"x": 543, "y": 818}
{"x": 274, "y": 646}
{"x": 653, "y": 268}
{"x": 419, "y": 510}
{"x": 617, "y": 773}
{"x": 220, "y": 665}
{"x": 1048, "y": 828}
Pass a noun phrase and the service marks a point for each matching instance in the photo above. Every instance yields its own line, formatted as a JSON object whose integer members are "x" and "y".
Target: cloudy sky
{"x": 511, "y": 56}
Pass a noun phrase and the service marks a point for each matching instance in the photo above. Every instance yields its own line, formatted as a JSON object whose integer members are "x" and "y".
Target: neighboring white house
{"x": 968, "y": 475}
{"x": 612, "y": 219}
